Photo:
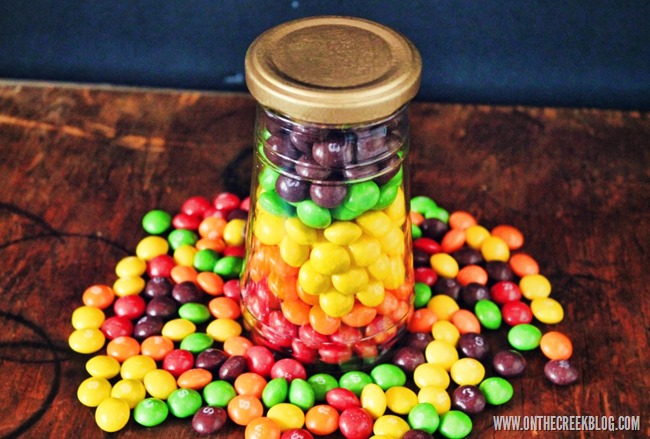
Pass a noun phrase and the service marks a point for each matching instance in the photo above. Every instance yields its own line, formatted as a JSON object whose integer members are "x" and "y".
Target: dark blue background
{"x": 562, "y": 53}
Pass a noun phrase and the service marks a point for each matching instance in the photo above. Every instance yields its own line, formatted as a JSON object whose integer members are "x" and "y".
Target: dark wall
{"x": 562, "y": 53}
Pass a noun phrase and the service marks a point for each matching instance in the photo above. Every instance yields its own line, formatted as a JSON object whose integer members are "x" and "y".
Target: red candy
{"x": 178, "y": 361}
{"x": 196, "y": 205}
{"x": 342, "y": 399}
{"x": 355, "y": 423}
{"x": 130, "y": 307}
{"x": 161, "y": 266}
{"x": 426, "y": 275}
{"x": 185, "y": 221}
{"x": 289, "y": 369}
{"x": 226, "y": 202}
{"x": 517, "y": 312}
{"x": 117, "y": 326}
{"x": 427, "y": 245}
{"x": 260, "y": 360}
{"x": 296, "y": 433}
{"x": 505, "y": 291}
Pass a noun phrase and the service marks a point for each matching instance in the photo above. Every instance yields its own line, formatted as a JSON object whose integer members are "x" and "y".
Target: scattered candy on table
{"x": 167, "y": 336}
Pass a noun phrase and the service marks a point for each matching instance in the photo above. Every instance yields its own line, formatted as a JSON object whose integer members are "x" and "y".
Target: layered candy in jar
{"x": 328, "y": 274}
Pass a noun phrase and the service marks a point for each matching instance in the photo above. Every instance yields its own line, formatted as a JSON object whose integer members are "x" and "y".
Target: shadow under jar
{"x": 328, "y": 274}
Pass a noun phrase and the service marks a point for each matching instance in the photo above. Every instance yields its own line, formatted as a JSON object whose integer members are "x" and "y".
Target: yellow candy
{"x": 379, "y": 268}
{"x": 429, "y": 374}
{"x": 372, "y": 295}
{"x": 437, "y": 397}
{"x": 184, "y": 255}
{"x": 299, "y": 232}
{"x": 92, "y": 391}
{"x": 400, "y": 400}
{"x": 534, "y": 286}
{"x": 130, "y": 266}
{"x": 103, "y": 366}
{"x": 130, "y": 391}
{"x": 128, "y": 286}
{"x": 467, "y": 372}
{"x": 328, "y": 258}
{"x": 365, "y": 251}
{"x": 311, "y": 281}
{"x": 287, "y": 416}
{"x": 391, "y": 426}
{"x": 293, "y": 253}
{"x": 397, "y": 210}
{"x": 112, "y": 414}
{"x": 135, "y": 367}
{"x": 547, "y": 310}
{"x": 269, "y": 229}
{"x": 396, "y": 273}
{"x": 178, "y": 329}
{"x": 446, "y": 331}
{"x": 443, "y": 306}
{"x": 87, "y": 340}
{"x": 234, "y": 232}
{"x": 87, "y": 317}
{"x": 159, "y": 383}
{"x": 444, "y": 265}
{"x": 441, "y": 353}
{"x": 392, "y": 243}
{"x": 495, "y": 249}
{"x": 222, "y": 329}
{"x": 151, "y": 246}
{"x": 375, "y": 223}
{"x": 342, "y": 232}
{"x": 336, "y": 304}
{"x": 475, "y": 235}
{"x": 373, "y": 400}
{"x": 352, "y": 281}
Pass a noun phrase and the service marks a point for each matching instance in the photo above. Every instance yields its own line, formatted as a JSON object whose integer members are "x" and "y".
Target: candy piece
{"x": 242, "y": 409}
{"x": 262, "y": 428}
{"x": 219, "y": 393}
{"x": 509, "y": 363}
{"x": 92, "y": 391}
{"x": 287, "y": 416}
{"x": 150, "y": 412}
{"x": 497, "y": 390}
{"x": 424, "y": 416}
{"x": 556, "y": 346}
{"x": 112, "y": 414}
{"x": 488, "y": 313}
{"x": 387, "y": 376}
{"x": 355, "y": 423}
{"x": 455, "y": 424}
{"x": 524, "y": 337}
{"x": 159, "y": 383}
{"x": 467, "y": 371}
{"x": 209, "y": 420}
{"x": 131, "y": 391}
{"x": 391, "y": 426}
{"x": 547, "y": 310}
{"x": 322, "y": 420}
{"x": 469, "y": 399}
{"x": 156, "y": 222}
{"x": 561, "y": 372}
{"x": 401, "y": 400}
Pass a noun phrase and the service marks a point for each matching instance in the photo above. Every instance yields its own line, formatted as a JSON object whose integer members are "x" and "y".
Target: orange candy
{"x": 210, "y": 283}
{"x": 556, "y": 346}
{"x": 360, "y": 316}
{"x": 389, "y": 304}
{"x": 472, "y": 273}
{"x": 296, "y": 311}
{"x": 237, "y": 345}
{"x": 250, "y": 383}
{"x": 216, "y": 244}
{"x": 311, "y": 299}
{"x": 453, "y": 240}
{"x": 416, "y": 217}
{"x": 461, "y": 220}
{"x": 511, "y": 235}
{"x": 242, "y": 409}
{"x": 466, "y": 322}
{"x": 181, "y": 273}
{"x": 122, "y": 348}
{"x": 322, "y": 420}
{"x": 522, "y": 264}
{"x": 321, "y": 322}
{"x": 262, "y": 428}
{"x": 156, "y": 347}
{"x": 194, "y": 379}
{"x": 422, "y": 320}
{"x": 283, "y": 287}
{"x": 99, "y": 296}
{"x": 224, "y": 308}
{"x": 212, "y": 227}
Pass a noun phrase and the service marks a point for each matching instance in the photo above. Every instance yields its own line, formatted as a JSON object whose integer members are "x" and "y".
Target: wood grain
{"x": 80, "y": 165}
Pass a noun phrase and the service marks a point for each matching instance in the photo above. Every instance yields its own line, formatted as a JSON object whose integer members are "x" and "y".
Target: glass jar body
{"x": 328, "y": 274}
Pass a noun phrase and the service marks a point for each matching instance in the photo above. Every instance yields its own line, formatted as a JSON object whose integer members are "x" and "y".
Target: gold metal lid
{"x": 333, "y": 70}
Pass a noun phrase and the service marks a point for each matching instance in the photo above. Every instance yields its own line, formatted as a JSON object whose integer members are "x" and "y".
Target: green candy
{"x": 438, "y": 213}
{"x": 275, "y": 392}
{"x": 267, "y": 179}
{"x": 196, "y": 313}
{"x": 424, "y": 417}
{"x": 301, "y": 394}
{"x": 219, "y": 393}
{"x": 313, "y": 215}
{"x": 180, "y": 237}
{"x": 355, "y": 381}
{"x": 322, "y": 383}
{"x": 497, "y": 390}
{"x": 422, "y": 294}
{"x": 183, "y": 403}
{"x": 387, "y": 376}
{"x": 416, "y": 231}
{"x": 524, "y": 337}
{"x": 488, "y": 313}
{"x": 273, "y": 203}
{"x": 229, "y": 267}
{"x": 362, "y": 196}
{"x": 342, "y": 213}
{"x": 156, "y": 222}
{"x": 196, "y": 342}
{"x": 455, "y": 424}
{"x": 422, "y": 204}
{"x": 387, "y": 194}
{"x": 150, "y": 412}
{"x": 205, "y": 259}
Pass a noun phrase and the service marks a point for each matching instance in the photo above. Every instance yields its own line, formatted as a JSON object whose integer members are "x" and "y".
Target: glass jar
{"x": 328, "y": 274}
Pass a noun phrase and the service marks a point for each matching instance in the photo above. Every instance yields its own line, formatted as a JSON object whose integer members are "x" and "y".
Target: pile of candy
{"x": 176, "y": 343}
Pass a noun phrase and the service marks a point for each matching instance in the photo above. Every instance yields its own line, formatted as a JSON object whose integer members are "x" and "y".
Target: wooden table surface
{"x": 80, "y": 165}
